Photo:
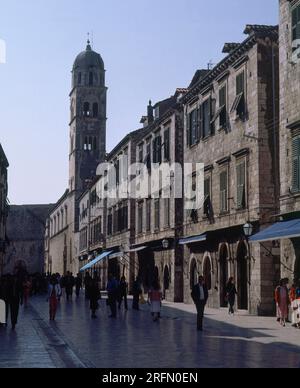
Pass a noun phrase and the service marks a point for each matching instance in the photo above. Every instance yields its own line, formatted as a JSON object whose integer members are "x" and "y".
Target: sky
{"x": 150, "y": 47}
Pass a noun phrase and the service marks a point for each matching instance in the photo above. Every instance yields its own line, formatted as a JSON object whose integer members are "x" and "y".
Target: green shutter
{"x": 296, "y": 164}
{"x": 223, "y": 191}
{"x": 241, "y": 185}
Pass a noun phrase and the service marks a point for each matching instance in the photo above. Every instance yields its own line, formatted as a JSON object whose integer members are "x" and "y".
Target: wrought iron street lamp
{"x": 248, "y": 229}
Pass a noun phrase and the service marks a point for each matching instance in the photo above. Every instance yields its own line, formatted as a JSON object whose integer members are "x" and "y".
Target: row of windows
{"x": 160, "y": 146}
{"x": 83, "y": 239}
{"x": 201, "y": 121}
{"x": 146, "y": 220}
{"x": 96, "y": 231}
{"x": 240, "y": 199}
{"x": 59, "y": 221}
{"x": 117, "y": 220}
{"x": 90, "y": 79}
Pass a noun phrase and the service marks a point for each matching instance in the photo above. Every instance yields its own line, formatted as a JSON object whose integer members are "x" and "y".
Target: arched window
{"x": 91, "y": 79}
{"x": 86, "y": 109}
{"x": 207, "y": 272}
{"x": 193, "y": 274}
{"x": 79, "y": 78}
{"x": 95, "y": 110}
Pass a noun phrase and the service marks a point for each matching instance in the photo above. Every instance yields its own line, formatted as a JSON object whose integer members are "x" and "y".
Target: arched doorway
{"x": 223, "y": 258}
{"x": 146, "y": 268}
{"x": 242, "y": 277}
{"x": 193, "y": 274}
{"x": 207, "y": 272}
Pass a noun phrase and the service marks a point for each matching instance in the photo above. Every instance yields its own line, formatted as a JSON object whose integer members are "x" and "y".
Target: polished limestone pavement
{"x": 132, "y": 340}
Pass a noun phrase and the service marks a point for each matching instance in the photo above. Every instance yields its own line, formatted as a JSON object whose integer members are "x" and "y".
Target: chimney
{"x": 150, "y": 113}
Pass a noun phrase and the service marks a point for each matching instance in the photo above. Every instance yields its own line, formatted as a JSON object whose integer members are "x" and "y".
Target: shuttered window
{"x": 223, "y": 107}
{"x": 157, "y": 145}
{"x": 241, "y": 185}
{"x": 296, "y": 164}
{"x": 140, "y": 217}
{"x": 206, "y": 188}
{"x": 157, "y": 214}
{"x": 223, "y": 192}
{"x": 148, "y": 215}
{"x": 239, "y": 102}
{"x": 193, "y": 119}
{"x": 206, "y": 118}
{"x": 296, "y": 24}
{"x": 167, "y": 144}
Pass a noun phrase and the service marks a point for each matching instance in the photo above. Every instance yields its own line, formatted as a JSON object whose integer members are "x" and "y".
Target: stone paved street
{"x": 133, "y": 340}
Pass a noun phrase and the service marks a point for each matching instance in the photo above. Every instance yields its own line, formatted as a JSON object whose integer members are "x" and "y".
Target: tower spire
{"x": 88, "y": 47}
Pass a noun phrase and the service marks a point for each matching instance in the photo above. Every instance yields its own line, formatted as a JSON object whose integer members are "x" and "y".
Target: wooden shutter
{"x": 241, "y": 185}
{"x": 158, "y": 147}
{"x": 296, "y": 164}
{"x": 212, "y": 104}
{"x": 188, "y": 129}
{"x": 154, "y": 146}
{"x": 223, "y": 191}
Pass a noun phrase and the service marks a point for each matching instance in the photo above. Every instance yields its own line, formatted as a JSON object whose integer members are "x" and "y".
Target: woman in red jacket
{"x": 155, "y": 298}
{"x": 282, "y": 301}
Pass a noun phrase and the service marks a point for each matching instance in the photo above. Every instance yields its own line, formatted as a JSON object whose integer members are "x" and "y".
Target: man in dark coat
{"x": 200, "y": 297}
{"x": 13, "y": 299}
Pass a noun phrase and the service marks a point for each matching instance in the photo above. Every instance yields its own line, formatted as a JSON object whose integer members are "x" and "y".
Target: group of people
{"x": 287, "y": 299}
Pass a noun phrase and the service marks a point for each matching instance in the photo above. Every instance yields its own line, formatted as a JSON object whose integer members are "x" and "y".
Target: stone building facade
{"x": 231, "y": 126}
{"x": 159, "y": 213}
{"x": 25, "y": 232}
{"x": 87, "y": 150}
{"x": 3, "y": 206}
{"x": 289, "y": 46}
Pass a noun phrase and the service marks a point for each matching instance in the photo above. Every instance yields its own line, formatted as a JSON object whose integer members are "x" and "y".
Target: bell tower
{"x": 88, "y": 121}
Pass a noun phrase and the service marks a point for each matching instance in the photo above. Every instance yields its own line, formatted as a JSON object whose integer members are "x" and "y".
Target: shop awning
{"x": 96, "y": 261}
{"x": 137, "y": 249}
{"x": 278, "y": 231}
{"x": 192, "y": 239}
{"x": 116, "y": 255}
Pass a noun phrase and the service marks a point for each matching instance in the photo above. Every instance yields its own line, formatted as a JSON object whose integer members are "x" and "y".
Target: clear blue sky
{"x": 150, "y": 47}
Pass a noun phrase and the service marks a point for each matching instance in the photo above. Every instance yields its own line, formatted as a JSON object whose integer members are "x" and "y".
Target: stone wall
{"x": 25, "y": 231}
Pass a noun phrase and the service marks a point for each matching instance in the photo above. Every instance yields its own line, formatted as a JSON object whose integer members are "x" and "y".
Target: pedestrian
{"x": 69, "y": 284}
{"x": 155, "y": 298}
{"x": 123, "y": 291}
{"x": 78, "y": 285}
{"x": 54, "y": 293}
{"x": 282, "y": 301}
{"x": 112, "y": 293}
{"x": 136, "y": 291}
{"x": 13, "y": 295}
{"x": 231, "y": 294}
{"x": 94, "y": 295}
{"x": 200, "y": 296}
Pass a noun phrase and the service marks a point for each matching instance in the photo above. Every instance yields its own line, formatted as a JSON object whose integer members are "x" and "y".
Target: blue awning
{"x": 192, "y": 239}
{"x": 96, "y": 260}
{"x": 278, "y": 231}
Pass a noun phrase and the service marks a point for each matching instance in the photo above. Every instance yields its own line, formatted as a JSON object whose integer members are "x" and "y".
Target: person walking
{"x": 231, "y": 294}
{"x": 282, "y": 301}
{"x": 123, "y": 291}
{"x": 136, "y": 291}
{"x": 69, "y": 284}
{"x": 13, "y": 295}
{"x": 155, "y": 299}
{"x": 112, "y": 293}
{"x": 78, "y": 285}
{"x": 200, "y": 296}
{"x": 54, "y": 293}
{"x": 94, "y": 295}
